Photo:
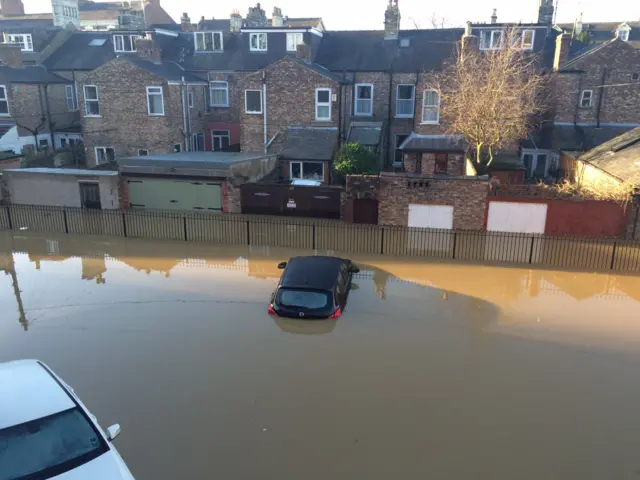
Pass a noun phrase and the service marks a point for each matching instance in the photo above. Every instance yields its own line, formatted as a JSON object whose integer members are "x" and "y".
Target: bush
{"x": 356, "y": 159}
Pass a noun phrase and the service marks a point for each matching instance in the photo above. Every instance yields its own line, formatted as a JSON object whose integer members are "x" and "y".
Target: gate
{"x": 365, "y": 211}
{"x": 289, "y": 200}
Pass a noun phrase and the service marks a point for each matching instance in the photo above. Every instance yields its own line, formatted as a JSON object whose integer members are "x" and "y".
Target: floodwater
{"x": 442, "y": 371}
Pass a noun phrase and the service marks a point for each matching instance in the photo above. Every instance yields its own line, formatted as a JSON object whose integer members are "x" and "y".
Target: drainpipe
{"x": 601, "y": 88}
{"x": 48, "y": 109}
{"x": 184, "y": 116}
{"x": 389, "y": 116}
{"x": 264, "y": 109}
{"x": 339, "y": 115}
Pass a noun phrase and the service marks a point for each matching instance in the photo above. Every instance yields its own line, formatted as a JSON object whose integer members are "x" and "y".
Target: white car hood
{"x": 108, "y": 466}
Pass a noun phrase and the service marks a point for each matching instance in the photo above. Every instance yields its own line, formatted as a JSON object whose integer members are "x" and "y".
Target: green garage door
{"x": 165, "y": 194}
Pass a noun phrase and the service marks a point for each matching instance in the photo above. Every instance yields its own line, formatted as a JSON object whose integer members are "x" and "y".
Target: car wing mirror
{"x": 113, "y": 431}
{"x": 282, "y": 265}
{"x": 354, "y": 269}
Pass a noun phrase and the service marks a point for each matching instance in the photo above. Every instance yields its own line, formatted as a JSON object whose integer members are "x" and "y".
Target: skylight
{"x": 97, "y": 42}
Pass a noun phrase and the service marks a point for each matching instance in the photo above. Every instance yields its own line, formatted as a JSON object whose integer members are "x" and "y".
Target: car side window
{"x": 344, "y": 271}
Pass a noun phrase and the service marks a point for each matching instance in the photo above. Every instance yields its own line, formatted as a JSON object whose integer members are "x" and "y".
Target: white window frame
{"x": 257, "y": 48}
{"x": 214, "y": 136}
{"x": 104, "y": 149}
{"x": 323, "y": 104}
{"x": 5, "y": 98}
{"x": 412, "y": 99}
{"x": 70, "y": 97}
{"x": 582, "y": 98}
{"x": 246, "y": 110}
{"x": 161, "y": 93}
{"x": 302, "y": 169}
{"x": 533, "y": 39}
{"x": 213, "y": 41}
{"x": 623, "y": 34}
{"x": 179, "y": 149}
{"x": 194, "y": 142}
{"x": 491, "y": 34}
{"x": 213, "y": 87}
{"x": 132, "y": 39}
{"x": 355, "y": 102}
{"x": 145, "y": 150}
{"x": 431, "y": 107}
{"x": 190, "y": 99}
{"x": 92, "y": 100}
{"x": 26, "y": 42}
{"x": 291, "y": 37}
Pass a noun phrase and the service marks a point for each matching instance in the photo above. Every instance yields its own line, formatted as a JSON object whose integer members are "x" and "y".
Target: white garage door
{"x": 431, "y": 216}
{"x": 517, "y": 217}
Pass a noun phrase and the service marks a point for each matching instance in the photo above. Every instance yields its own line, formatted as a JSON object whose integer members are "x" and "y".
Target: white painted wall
{"x": 517, "y": 217}
{"x": 60, "y": 190}
{"x": 431, "y": 216}
{"x": 10, "y": 141}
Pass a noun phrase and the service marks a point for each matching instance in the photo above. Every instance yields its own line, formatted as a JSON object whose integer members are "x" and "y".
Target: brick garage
{"x": 466, "y": 195}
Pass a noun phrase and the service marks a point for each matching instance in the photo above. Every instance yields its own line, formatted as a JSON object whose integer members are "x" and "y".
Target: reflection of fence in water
{"x": 493, "y": 247}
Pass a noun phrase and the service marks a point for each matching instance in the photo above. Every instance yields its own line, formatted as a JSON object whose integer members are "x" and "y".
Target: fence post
{"x": 9, "y": 217}
{"x": 66, "y": 222}
{"x": 248, "y": 233}
{"x": 184, "y": 226}
{"x": 382, "y": 241}
{"x": 533, "y": 239}
{"x": 124, "y": 223}
{"x": 313, "y": 233}
{"x": 455, "y": 238}
{"x": 613, "y": 254}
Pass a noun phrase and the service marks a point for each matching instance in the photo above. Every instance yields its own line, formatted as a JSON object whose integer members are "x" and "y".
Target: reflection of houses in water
{"x": 148, "y": 265}
{"x": 94, "y": 269}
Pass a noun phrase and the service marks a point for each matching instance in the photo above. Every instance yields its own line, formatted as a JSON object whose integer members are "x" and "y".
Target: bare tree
{"x": 35, "y": 131}
{"x": 437, "y": 22}
{"x": 494, "y": 98}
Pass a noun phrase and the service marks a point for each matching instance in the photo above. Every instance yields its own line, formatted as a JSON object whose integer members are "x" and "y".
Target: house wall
{"x": 613, "y": 65}
{"x": 587, "y": 175}
{"x": 424, "y": 163}
{"x": 466, "y": 195}
{"x": 124, "y": 123}
{"x": 60, "y": 190}
{"x": 230, "y": 114}
{"x": 291, "y": 90}
{"x": 232, "y": 128}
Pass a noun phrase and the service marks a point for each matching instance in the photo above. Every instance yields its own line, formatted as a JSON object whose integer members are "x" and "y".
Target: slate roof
{"x": 310, "y": 143}
{"x": 435, "y": 143}
{"x": 604, "y": 31}
{"x": 31, "y": 74}
{"x": 76, "y": 53}
{"x": 580, "y": 138}
{"x": 168, "y": 70}
{"x": 619, "y": 157}
{"x": 365, "y": 133}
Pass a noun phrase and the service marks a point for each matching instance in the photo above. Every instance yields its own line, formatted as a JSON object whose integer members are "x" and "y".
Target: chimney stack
{"x": 12, "y": 8}
{"x": 303, "y": 52}
{"x": 494, "y": 17}
{"x": 392, "y": 21}
{"x": 10, "y": 55}
{"x": 545, "y": 12}
{"x": 185, "y": 23}
{"x": 235, "y": 21}
{"x": 470, "y": 42}
{"x": 563, "y": 46}
{"x": 256, "y": 17}
{"x": 147, "y": 49}
{"x": 277, "y": 20}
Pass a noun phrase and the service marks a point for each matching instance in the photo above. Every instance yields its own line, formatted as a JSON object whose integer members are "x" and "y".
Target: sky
{"x": 369, "y": 14}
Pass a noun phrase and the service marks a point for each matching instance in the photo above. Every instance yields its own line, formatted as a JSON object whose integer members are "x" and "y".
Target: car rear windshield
{"x": 307, "y": 300}
{"x": 48, "y": 446}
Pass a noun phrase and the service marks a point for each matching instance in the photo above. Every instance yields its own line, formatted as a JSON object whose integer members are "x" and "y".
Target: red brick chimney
{"x": 185, "y": 23}
{"x": 563, "y": 46}
{"x": 10, "y": 55}
{"x": 303, "y": 52}
{"x": 11, "y": 8}
{"x": 148, "y": 50}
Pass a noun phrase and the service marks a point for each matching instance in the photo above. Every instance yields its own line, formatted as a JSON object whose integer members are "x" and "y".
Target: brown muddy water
{"x": 440, "y": 371}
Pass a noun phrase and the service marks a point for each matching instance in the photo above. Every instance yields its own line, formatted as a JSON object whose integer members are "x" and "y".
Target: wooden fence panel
{"x": 216, "y": 229}
{"x": 280, "y": 234}
{"x": 95, "y": 222}
{"x": 418, "y": 242}
{"x": 37, "y": 218}
{"x": 348, "y": 238}
{"x": 4, "y": 218}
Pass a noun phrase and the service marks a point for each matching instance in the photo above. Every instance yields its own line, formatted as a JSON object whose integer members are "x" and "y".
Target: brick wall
{"x": 291, "y": 89}
{"x": 28, "y": 106}
{"x": 615, "y": 64}
{"x": 425, "y": 163}
{"x": 124, "y": 123}
{"x": 231, "y": 113}
{"x": 467, "y": 196}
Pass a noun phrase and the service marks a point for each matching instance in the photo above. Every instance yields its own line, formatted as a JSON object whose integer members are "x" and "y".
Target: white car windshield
{"x": 49, "y": 446}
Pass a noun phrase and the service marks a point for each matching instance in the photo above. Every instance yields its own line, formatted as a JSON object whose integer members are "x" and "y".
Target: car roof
{"x": 29, "y": 392}
{"x": 318, "y": 273}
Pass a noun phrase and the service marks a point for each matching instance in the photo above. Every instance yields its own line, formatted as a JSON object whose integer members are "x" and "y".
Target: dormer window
{"x": 491, "y": 39}
{"x": 293, "y": 40}
{"x": 24, "y": 40}
{"x": 258, "y": 42}
{"x": 125, "y": 43}
{"x": 208, "y": 41}
{"x": 527, "y": 39}
{"x": 623, "y": 32}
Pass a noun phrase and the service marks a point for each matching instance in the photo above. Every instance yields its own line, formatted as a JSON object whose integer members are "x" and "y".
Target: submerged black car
{"x": 312, "y": 287}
